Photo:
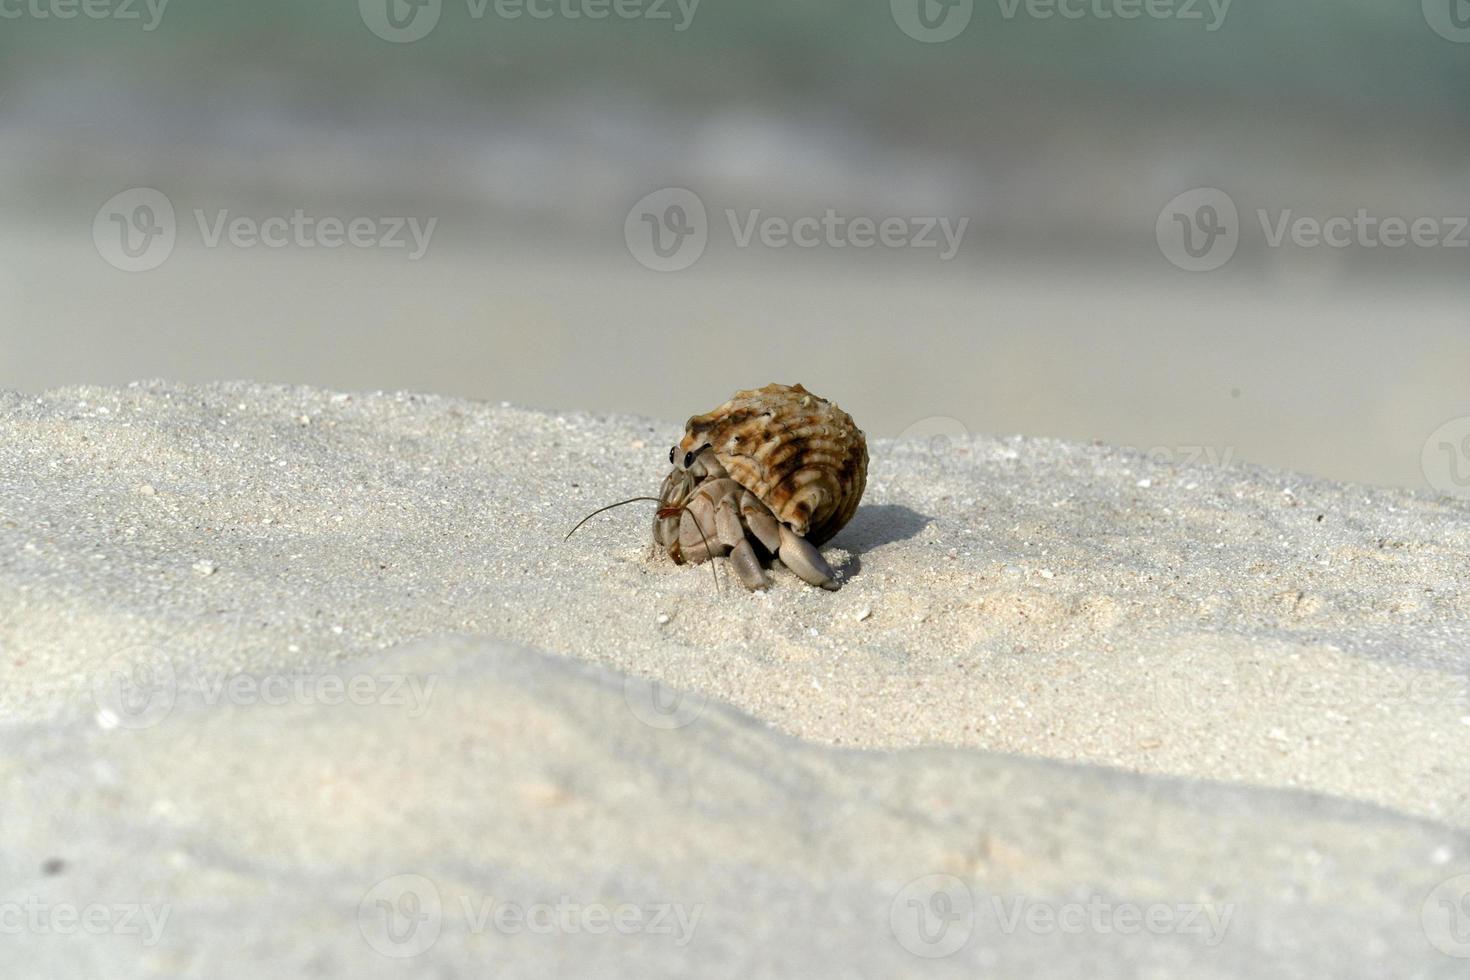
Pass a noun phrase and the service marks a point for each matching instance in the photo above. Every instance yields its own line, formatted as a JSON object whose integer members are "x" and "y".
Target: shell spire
{"x": 800, "y": 454}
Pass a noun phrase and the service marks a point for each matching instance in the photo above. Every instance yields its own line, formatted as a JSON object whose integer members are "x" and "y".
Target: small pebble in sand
{"x": 864, "y": 613}
{"x": 1145, "y": 483}
{"x": 663, "y": 619}
{"x": 205, "y": 567}
{"x": 147, "y": 490}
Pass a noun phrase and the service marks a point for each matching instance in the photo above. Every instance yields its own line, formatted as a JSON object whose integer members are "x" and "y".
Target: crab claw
{"x": 798, "y": 554}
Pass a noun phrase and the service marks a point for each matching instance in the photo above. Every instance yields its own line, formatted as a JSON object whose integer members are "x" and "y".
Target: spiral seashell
{"x": 800, "y": 454}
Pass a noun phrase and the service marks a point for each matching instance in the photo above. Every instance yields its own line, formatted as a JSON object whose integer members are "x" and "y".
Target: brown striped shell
{"x": 800, "y": 454}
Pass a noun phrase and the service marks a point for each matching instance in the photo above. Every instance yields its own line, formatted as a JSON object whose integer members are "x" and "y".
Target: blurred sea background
{"x": 530, "y": 141}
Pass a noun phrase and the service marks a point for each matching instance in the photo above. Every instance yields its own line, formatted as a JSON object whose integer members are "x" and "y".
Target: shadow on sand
{"x": 874, "y": 526}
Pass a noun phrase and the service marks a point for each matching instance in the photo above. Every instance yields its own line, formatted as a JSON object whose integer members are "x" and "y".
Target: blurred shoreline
{"x": 1337, "y": 381}
{"x": 530, "y": 147}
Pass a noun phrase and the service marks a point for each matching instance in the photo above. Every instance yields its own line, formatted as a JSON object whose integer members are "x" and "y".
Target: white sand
{"x": 1026, "y": 597}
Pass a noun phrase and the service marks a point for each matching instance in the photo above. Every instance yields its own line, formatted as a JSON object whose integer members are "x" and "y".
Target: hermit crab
{"x": 772, "y": 473}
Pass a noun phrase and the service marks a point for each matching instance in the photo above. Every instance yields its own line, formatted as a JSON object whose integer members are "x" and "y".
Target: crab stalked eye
{"x": 688, "y": 460}
{"x": 672, "y": 450}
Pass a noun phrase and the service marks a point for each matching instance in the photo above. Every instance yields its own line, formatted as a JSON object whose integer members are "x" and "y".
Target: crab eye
{"x": 688, "y": 460}
{"x": 672, "y": 449}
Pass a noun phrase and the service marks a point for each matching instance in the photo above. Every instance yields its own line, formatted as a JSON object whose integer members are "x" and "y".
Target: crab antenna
{"x": 707, "y": 555}
{"x": 656, "y": 500}
{"x": 630, "y": 500}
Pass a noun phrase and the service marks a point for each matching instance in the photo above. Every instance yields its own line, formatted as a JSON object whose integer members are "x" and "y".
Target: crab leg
{"x": 762, "y": 522}
{"x": 798, "y": 554}
{"x": 697, "y": 538}
{"x": 748, "y": 567}
{"x": 727, "y": 522}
